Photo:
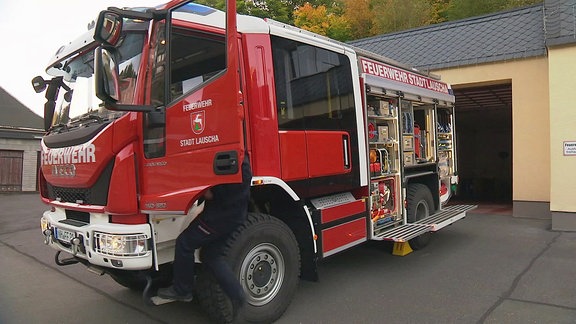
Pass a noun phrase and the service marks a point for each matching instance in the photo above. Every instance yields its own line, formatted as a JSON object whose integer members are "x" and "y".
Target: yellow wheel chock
{"x": 401, "y": 248}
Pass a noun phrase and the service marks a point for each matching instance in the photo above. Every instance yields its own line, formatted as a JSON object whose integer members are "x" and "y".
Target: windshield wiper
{"x": 89, "y": 117}
{"x": 58, "y": 127}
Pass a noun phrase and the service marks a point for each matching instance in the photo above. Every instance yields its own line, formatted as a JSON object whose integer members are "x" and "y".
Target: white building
{"x": 20, "y": 134}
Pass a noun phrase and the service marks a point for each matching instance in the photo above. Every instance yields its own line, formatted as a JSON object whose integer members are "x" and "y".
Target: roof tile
{"x": 506, "y": 35}
{"x": 14, "y": 114}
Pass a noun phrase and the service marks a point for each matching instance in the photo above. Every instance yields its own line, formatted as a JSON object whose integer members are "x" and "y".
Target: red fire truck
{"x": 154, "y": 106}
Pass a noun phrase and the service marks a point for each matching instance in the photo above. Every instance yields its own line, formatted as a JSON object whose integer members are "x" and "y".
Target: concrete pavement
{"x": 487, "y": 268}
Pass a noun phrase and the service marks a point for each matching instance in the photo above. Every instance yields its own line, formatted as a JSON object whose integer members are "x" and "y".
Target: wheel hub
{"x": 262, "y": 273}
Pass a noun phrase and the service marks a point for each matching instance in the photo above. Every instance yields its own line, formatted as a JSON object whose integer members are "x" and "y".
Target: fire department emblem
{"x": 198, "y": 120}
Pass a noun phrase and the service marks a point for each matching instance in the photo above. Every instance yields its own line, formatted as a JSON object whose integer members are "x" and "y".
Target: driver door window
{"x": 195, "y": 59}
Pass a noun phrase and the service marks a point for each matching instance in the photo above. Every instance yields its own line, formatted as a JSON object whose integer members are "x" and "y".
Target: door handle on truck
{"x": 226, "y": 163}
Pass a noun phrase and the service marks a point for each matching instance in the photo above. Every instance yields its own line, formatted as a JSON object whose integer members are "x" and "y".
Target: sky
{"x": 33, "y": 30}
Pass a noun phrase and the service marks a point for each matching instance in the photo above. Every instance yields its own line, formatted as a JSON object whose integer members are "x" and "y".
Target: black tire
{"x": 264, "y": 253}
{"x": 419, "y": 205}
{"x": 131, "y": 280}
{"x": 136, "y": 280}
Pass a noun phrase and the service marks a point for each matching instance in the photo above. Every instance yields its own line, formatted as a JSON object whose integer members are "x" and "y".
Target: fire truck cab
{"x": 154, "y": 106}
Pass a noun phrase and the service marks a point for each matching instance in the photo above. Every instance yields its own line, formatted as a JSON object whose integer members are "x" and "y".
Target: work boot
{"x": 171, "y": 293}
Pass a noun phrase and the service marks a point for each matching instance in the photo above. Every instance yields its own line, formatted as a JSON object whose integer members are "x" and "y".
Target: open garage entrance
{"x": 484, "y": 135}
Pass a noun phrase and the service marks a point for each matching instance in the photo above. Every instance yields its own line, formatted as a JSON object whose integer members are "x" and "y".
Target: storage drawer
{"x": 383, "y": 133}
{"x": 408, "y": 143}
{"x": 408, "y": 158}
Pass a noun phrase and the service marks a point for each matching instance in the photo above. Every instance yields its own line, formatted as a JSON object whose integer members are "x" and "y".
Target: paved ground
{"x": 487, "y": 268}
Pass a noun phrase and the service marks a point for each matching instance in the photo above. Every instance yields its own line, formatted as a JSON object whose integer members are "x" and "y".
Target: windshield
{"x": 80, "y": 103}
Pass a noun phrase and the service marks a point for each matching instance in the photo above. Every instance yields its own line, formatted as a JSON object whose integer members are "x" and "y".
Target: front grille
{"x": 73, "y": 195}
{"x": 95, "y": 195}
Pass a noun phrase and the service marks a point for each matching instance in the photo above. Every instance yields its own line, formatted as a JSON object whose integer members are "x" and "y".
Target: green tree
{"x": 275, "y": 9}
{"x": 395, "y": 15}
{"x": 460, "y": 9}
{"x": 280, "y": 10}
{"x": 438, "y": 13}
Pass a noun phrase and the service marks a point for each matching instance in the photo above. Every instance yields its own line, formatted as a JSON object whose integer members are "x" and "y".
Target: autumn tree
{"x": 312, "y": 19}
{"x": 353, "y": 19}
{"x": 360, "y": 17}
{"x": 322, "y": 21}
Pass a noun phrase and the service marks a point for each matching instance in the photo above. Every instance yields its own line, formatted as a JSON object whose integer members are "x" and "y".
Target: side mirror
{"x": 108, "y": 28}
{"x": 52, "y": 88}
{"x": 39, "y": 84}
{"x": 106, "y": 76}
{"x": 107, "y": 81}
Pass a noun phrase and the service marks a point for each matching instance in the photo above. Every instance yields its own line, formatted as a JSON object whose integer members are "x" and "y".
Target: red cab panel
{"x": 261, "y": 104}
{"x": 122, "y": 196}
{"x": 78, "y": 165}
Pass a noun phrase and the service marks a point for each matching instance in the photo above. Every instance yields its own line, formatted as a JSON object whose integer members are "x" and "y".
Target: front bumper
{"x": 126, "y": 247}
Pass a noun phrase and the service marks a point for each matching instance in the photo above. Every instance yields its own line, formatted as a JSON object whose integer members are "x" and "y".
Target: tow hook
{"x": 75, "y": 245}
{"x": 48, "y": 236}
{"x": 66, "y": 261}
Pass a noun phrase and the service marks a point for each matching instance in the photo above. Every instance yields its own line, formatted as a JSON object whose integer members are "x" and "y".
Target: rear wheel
{"x": 419, "y": 206}
{"x": 264, "y": 253}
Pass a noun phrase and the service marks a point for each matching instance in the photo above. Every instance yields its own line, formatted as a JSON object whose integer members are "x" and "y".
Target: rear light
{"x": 443, "y": 189}
{"x": 129, "y": 219}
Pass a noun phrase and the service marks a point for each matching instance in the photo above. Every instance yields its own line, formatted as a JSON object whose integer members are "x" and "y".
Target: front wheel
{"x": 136, "y": 280}
{"x": 264, "y": 254}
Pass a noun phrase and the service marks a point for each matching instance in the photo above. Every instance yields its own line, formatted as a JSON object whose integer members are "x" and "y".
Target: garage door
{"x": 11, "y": 170}
{"x": 484, "y": 123}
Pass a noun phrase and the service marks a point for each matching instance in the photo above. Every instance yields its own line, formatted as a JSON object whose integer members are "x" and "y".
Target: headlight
{"x": 44, "y": 225}
{"x": 121, "y": 244}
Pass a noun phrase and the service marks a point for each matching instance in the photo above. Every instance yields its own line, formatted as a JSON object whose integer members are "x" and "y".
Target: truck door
{"x": 197, "y": 140}
{"x": 317, "y": 120}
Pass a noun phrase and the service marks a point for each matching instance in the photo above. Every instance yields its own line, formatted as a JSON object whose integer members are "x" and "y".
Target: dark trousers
{"x": 197, "y": 235}
{"x": 222, "y": 214}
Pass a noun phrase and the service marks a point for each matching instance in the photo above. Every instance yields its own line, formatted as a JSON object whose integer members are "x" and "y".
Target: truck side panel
{"x": 261, "y": 107}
